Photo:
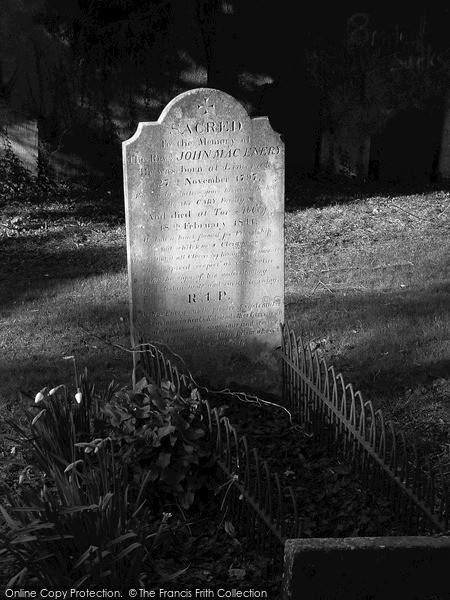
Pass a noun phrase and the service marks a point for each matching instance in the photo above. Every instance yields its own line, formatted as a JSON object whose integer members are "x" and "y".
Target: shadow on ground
{"x": 384, "y": 342}
{"x": 26, "y": 275}
{"x": 97, "y": 335}
{"x": 309, "y": 192}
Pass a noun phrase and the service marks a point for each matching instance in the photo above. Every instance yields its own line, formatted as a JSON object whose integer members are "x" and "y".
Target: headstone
{"x": 204, "y": 200}
{"x": 372, "y": 568}
{"x": 83, "y": 154}
{"x": 345, "y": 151}
{"x": 444, "y": 154}
{"x": 21, "y": 132}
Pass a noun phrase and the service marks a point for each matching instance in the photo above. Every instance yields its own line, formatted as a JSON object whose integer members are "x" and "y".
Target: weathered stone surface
{"x": 204, "y": 196}
{"x": 22, "y": 134}
{"x": 372, "y": 568}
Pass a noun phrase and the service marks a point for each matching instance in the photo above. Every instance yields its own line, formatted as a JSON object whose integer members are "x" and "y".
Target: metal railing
{"x": 262, "y": 511}
{"x": 346, "y": 425}
{"x": 351, "y": 428}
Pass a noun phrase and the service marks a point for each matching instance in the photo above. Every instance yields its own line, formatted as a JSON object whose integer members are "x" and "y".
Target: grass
{"x": 367, "y": 282}
{"x": 63, "y": 269}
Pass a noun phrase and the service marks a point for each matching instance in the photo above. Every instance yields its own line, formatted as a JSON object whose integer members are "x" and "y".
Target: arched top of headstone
{"x": 204, "y": 103}
{"x": 202, "y": 110}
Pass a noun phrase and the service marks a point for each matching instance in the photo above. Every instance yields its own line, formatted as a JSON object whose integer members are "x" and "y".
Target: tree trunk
{"x": 217, "y": 23}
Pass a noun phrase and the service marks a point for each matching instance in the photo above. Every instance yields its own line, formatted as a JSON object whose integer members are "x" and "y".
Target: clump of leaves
{"x": 49, "y": 440}
{"x": 80, "y": 530}
{"x": 15, "y": 179}
{"x": 85, "y": 521}
{"x": 18, "y": 184}
{"x": 161, "y": 433}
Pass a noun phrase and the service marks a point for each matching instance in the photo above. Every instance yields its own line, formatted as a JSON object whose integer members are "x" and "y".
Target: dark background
{"x": 358, "y": 89}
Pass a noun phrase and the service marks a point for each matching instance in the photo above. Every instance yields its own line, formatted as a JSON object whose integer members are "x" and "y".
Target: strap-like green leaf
{"x": 84, "y": 556}
{"x": 9, "y": 521}
{"x": 122, "y": 538}
{"x": 127, "y": 551}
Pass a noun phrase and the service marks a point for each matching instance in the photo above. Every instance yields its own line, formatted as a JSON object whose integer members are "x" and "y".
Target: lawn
{"x": 367, "y": 283}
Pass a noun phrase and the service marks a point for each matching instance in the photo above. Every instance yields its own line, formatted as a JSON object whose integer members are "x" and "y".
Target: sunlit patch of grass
{"x": 368, "y": 282}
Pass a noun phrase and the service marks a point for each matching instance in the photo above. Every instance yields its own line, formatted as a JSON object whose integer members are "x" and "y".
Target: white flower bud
{"x": 78, "y": 397}
{"x": 39, "y": 397}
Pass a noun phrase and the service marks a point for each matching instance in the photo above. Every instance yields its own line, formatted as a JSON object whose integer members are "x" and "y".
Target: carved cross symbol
{"x": 205, "y": 106}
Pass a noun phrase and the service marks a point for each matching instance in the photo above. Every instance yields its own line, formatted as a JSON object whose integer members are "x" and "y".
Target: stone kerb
{"x": 204, "y": 203}
{"x": 367, "y": 568}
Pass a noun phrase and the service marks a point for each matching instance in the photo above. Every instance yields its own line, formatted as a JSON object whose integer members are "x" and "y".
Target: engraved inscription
{"x": 204, "y": 209}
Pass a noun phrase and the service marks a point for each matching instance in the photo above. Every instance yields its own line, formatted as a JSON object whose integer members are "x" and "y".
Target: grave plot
{"x": 265, "y": 502}
{"x": 204, "y": 214}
